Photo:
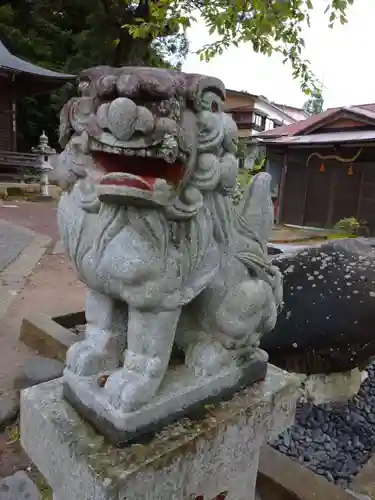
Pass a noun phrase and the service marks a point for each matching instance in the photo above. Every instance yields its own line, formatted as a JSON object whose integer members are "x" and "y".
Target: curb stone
{"x": 38, "y": 370}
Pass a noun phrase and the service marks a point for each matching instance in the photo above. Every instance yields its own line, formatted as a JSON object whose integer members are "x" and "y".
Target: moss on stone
{"x": 175, "y": 440}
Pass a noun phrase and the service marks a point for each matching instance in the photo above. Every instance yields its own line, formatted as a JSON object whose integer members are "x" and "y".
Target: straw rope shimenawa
{"x": 335, "y": 157}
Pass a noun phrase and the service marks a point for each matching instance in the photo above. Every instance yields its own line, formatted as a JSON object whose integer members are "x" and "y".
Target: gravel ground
{"x": 334, "y": 441}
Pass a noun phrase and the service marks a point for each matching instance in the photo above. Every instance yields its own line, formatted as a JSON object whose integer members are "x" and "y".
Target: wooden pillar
{"x": 14, "y": 113}
{"x": 360, "y": 194}
{"x": 332, "y": 191}
{"x": 306, "y": 187}
{"x": 5, "y": 112}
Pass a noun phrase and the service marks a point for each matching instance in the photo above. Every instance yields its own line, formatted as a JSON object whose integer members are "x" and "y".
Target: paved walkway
{"x": 52, "y": 289}
{"x": 38, "y": 277}
{"x": 39, "y": 217}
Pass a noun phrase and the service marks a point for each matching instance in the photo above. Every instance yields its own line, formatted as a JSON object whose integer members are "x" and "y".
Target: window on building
{"x": 259, "y": 122}
{"x": 243, "y": 117}
{"x": 269, "y": 124}
{"x": 257, "y": 119}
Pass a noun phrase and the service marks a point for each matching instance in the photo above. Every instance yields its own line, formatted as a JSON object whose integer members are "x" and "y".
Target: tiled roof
{"x": 324, "y": 138}
{"x": 296, "y": 128}
{"x": 10, "y": 62}
{"x": 299, "y": 127}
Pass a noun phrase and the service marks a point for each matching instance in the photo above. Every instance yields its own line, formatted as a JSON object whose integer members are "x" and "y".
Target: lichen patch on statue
{"x": 149, "y": 166}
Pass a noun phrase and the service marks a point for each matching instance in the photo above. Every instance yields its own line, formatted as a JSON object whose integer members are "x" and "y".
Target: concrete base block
{"x": 331, "y": 388}
{"x": 218, "y": 453}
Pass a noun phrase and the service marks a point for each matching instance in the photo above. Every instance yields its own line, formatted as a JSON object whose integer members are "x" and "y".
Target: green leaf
{"x": 85, "y": 34}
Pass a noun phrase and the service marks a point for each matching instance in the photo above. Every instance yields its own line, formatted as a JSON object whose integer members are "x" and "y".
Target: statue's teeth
{"x": 144, "y": 152}
{"x": 116, "y": 175}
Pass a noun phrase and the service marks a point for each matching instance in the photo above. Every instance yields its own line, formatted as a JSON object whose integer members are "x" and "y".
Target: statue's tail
{"x": 257, "y": 209}
{"x": 257, "y": 214}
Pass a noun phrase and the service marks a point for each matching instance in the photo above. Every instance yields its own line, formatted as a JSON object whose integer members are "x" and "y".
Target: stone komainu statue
{"x": 149, "y": 167}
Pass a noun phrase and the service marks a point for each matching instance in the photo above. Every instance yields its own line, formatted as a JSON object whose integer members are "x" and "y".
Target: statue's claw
{"x": 128, "y": 390}
{"x": 85, "y": 359}
{"x": 136, "y": 383}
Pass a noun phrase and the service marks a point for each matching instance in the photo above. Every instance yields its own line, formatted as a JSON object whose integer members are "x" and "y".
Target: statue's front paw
{"x": 127, "y": 390}
{"x": 85, "y": 359}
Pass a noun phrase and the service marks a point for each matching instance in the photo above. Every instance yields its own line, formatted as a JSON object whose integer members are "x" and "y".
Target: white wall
{"x": 273, "y": 114}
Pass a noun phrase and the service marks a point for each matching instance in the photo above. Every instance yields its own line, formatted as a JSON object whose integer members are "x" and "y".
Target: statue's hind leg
{"x": 230, "y": 325}
{"x": 105, "y": 336}
{"x": 150, "y": 340}
{"x": 247, "y": 310}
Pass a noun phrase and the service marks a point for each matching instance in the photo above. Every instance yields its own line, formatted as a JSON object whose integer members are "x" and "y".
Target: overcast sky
{"x": 343, "y": 57}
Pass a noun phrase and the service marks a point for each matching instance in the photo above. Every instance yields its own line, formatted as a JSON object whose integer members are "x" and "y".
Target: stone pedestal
{"x": 216, "y": 454}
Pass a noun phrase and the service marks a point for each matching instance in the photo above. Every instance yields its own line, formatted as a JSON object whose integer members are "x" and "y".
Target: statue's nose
{"x": 122, "y": 115}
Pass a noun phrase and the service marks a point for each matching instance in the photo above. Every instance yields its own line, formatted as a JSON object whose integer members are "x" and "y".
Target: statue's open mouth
{"x": 138, "y": 172}
{"x": 141, "y": 176}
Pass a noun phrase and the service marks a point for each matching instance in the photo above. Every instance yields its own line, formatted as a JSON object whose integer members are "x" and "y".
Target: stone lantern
{"x": 44, "y": 151}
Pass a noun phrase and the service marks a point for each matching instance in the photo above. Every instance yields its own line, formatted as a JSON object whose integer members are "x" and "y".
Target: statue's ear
{"x": 197, "y": 85}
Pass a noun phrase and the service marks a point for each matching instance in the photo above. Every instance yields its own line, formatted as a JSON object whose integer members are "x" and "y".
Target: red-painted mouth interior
{"x": 146, "y": 168}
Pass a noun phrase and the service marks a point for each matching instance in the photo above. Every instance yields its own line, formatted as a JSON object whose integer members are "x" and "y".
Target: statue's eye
{"x": 211, "y": 102}
{"x": 214, "y": 107}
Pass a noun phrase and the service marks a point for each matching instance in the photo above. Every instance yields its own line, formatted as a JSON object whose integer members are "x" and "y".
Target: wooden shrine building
{"x": 324, "y": 167}
{"x": 18, "y": 79}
